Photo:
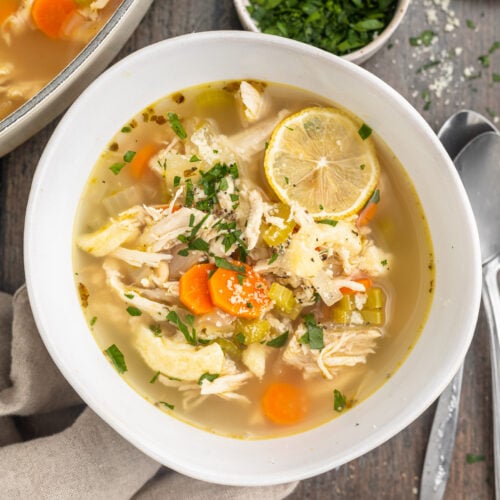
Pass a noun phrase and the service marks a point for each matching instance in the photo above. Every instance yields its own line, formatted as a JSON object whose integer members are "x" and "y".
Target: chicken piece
{"x": 342, "y": 348}
{"x": 254, "y": 102}
{"x": 130, "y": 296}
{"x": 17, "y": 23}
{"x": 21, "y": 91}
{"x": 123, "y": 229}
{"x": 178, "y": 360}
{"x": 213, "y": 147}
{"x": 254, "y": 357}
{"x": 138, "y": 258}
{"x": 252, "y": 228}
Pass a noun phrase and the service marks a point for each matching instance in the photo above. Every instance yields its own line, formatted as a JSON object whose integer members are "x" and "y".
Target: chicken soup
{"x": 251, "y": 258}
{"x": 38, "y": 38}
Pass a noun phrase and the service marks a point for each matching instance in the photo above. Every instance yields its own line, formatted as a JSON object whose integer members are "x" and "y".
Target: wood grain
{"x": 392, "y": 471}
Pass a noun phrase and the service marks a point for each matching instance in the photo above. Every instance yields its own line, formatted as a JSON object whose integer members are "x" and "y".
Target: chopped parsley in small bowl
{"x": 352, "y": 29}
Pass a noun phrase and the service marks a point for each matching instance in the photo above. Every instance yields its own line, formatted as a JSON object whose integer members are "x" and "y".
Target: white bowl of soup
{"x": 50, "y": 51}
{"x": 251, "y": 267}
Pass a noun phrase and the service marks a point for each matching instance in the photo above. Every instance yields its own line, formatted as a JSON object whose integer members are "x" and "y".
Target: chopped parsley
{"x": 339, "y": 401}
{"x": 208, "y": 376}
{"x": 278, "y": 341}
{"x": 470, "y": 24}
{"x": 129, "y": 295}
{"x": 212, "y": 182}
{"x": 484, "y": 60}
{"x": 186, "y": 329}
{"x": 93, "y": 321}
{"x": 472, "y": 459}
{"x": 126, "y": 130}
{"x": 194, "y": 158}
{"x": 384, "y": 262}
{"x": 425, "y": 38}
{"x": 129, "y": 156}
{"x": 167, "y": 405}
{"x": 314, "y": 333}
{"x": 365, "y": 131}
{"x": 176, "y": 125}
{"x": 133, "y": 311}
{"x": 496, "y": 77}
{"x": 224, "y": 264}
{"x": 177, "y": 181}
{"x": 116, "y": 167}
{"x": 428, "y": 65}
{"x": 362, "y": 166}
{"x": 328, "y": 221}
{"x": 274, "y": 256}
{"x": 156, "y": 330}
{"x": 154, "y": 378}
{"x": 117, "y": 358}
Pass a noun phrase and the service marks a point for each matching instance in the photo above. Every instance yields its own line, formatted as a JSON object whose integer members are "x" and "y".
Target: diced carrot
{"x": 139, "y": 163}
{"x": 366, "y": 282}
{"x": 369, "y": 210}
{"x": 284, "y": 403}
{"x": 7, "y": 8}
{"x": 243, "y": 294}
{"x": 49, "y": 16}
{"x": 193, "y": 289}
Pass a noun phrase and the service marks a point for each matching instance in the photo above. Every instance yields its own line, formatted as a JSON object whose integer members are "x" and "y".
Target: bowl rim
{"x": 77, "y": 69}
{"x": 137, "y": 437}
{"x": 358, "y": 56}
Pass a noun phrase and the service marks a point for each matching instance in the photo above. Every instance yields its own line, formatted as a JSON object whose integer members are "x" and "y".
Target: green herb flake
{"x": 383, "y": 262}
{"x": 496, "y": 77}
{"x": 278, "y": 341}
{"x": 93, "y": 321}
{"x": 116, "y": 167}
{"x": 314, "y": 333}
{"x": 117, "y": 358}
{"x": 194, "y": 158}
{"x": 224, "y": 264}
{"x": 339, "y": 401}
{"x": 365, "y": 131}
{"x": 273, "y": 258}
{"x": 176, "y": 125}
{"x": 330, "y": 222}
{"x": 129, "y": 295}
{"x": 133, "y": 311}
{"x": 189, "y": 335}
{"x": 128, "y": 156}
{"x": 428, "y": 65}
{"x": 167, "y": 405}
{"x": 484, "y": 60}
{"x": 208, "y": 376}
{"x": 156, "y": 330}
{"x": 470, "y": 458}
{"x": 177, "y": 181}
{"x": 362, "y": 166}
{"x": 425, "y": 38}
{"x": 495, "y": 46}
{"x": 287, "y": 180}
{"x": 154, "y": 378}
{"x": 126, "y": 130}
{"x": 470, "y": 24}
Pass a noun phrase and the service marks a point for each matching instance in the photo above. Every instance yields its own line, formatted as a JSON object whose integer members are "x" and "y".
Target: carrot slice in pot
{"x": 284, "y": 403}
{"x": 193, "y": 289}
{"x": 49, "y": 16}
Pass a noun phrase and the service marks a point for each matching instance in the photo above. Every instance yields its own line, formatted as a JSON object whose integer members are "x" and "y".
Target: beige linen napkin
{"x": 52, "y": 446}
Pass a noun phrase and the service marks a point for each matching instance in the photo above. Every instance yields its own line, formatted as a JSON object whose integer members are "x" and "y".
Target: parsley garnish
{"x": 274, "y": 256}
{"x": 339, "y": 401}
{"x": 133, "y": 311}
{"x": 278, "y": 341}
{"x": 116, "y": 167}
{"x": 425, "y": 38}
{"x": 470, "y": 24}
{"x": 208, "y": 376}
{"x": 224, "y": 264}
{"x": 168, "y": 405}
{"x": 194, "y": 158}
{"x": 156, "y": 329}
{"x": 129, "y": 295}
{"x": 328, "y": 221}
{"x": 177, "y": 181}
{"x": 190, "y": 336}
{"x": 365, "y": 131}
{"x": 155, "y": 377}
{"x": 126, "y": 130}
{"x": 129, "y": 156}
{"x": 92, "y": 321}
{"x": 472, "y": 459}
{"x": 314, "y": 333}
{"x": 117, "y": 358}
{"x": 176, "y": 125}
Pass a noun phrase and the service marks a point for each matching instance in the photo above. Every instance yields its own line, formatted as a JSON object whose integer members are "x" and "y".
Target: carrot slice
{"x": 284, "y": 403}
{"x": 139, "y": 163}
{"x": 193, "y": 289}
{"x": 243, "y": 294}
{"x": 7, "y": 8}
{"x": 366, "y": 282}
{"x": 49, "y": 16}
{"x": 369, "y": 210}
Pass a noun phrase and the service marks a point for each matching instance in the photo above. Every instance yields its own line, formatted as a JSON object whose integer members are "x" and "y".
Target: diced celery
{"x": 375, "y": 299}
{"x": 255, "y": 330}
{"x": 274, "y": 235}
{"x": 294, "y": 313}
{"x": 373, "y": 316}
{"x": 283, "y": 298}
{"x": 345, "y": 303}
{"x": 341, "y": 316}
{"x": 229, "y": 347}
{"x": 213, "y": 98}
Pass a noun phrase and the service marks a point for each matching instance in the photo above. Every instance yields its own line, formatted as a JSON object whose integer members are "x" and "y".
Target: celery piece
{"x": 229, "y": 347}
{"x": 275, "y": 235}
{"x": 341, "y": 316}
{"x": 346, "y": 303}
{"x": 282, "y": 297}
{"x": 373, "y": 316}
{"x": 375, "y": 299}
{"x": 255, "y": 330}
{"x": 294, "y": 313}
{"x": 214, "y": 98}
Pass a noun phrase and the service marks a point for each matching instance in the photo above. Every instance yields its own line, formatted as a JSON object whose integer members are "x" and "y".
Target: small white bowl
{"x": 62, "y": 90}
{"x": 358, "y": 56}
{"x": 63, "y": 171}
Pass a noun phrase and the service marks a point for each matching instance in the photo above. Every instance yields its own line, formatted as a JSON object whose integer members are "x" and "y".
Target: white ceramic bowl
{"x": 62, "y": 90}
{"x": 358, "y": 56}
{"x": 144, "y": 77}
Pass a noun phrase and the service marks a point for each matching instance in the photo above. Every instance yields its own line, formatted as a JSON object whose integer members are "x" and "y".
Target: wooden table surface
{"x": 437, "y": 80}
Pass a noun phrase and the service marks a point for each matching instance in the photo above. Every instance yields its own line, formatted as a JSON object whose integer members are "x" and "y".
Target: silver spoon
{"x": 455, "y": 134}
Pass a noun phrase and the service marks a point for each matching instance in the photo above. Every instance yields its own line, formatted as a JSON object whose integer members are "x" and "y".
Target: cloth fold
{"x": 52, "y": 446}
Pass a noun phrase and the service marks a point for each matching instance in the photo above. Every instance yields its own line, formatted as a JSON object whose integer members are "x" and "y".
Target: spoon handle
{"x": 491, "y": 300}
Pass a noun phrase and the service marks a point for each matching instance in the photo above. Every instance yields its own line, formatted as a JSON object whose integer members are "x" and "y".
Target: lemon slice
{"x": 317, "y": 158}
